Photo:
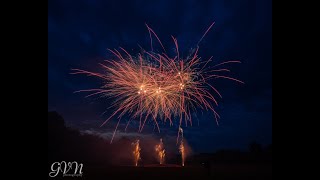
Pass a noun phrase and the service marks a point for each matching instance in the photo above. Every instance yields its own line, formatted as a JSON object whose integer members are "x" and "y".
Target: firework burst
{"x": 155, "y": 86}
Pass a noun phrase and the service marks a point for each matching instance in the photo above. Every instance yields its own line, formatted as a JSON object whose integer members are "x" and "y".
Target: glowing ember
{"x": 160, "y": 152}
{"x": 136, "y": 152}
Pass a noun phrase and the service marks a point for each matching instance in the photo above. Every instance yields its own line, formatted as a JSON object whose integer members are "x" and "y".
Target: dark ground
{"x": 227, "y": 171}
{"x": 102, "y": 161}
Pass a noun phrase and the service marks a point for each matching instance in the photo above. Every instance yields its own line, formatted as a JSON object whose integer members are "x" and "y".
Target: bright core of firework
{"x": 155, "y": 86}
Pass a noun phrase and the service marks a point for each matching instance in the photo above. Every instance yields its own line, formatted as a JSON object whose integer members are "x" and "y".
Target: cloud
{"x": 119, "y": 134}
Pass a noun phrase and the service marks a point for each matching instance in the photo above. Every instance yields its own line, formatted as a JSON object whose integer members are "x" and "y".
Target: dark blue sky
{"x": 79, "y": 32}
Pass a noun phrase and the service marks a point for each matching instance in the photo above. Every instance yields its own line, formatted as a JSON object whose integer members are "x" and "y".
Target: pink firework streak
{"x": 155, "y": 86}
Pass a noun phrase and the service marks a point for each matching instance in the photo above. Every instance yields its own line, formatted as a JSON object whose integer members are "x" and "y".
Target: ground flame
{"x": 182, "y": 152}
{"x": 136, "y": 152}
{"x": 160, "y": 152}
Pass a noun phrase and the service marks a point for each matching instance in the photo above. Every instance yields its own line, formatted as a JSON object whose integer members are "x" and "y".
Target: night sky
{"x": 79, "y": 33}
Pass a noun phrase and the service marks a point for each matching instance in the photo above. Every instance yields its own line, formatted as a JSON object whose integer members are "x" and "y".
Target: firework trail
{"x": 136, "y": 152}
{"x": 181, "y": 147}
{"x": 160, "y": 151}
{"x": 180, "y": 131}
{"x": 154, "y": 86}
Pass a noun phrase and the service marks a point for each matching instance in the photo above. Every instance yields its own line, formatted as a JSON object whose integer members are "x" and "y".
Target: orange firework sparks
{"x": 136, "y": 152}
{"x": 182, "y": 152}
{"x": 155, "y": 86}
{"x": 160, "y": 152}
